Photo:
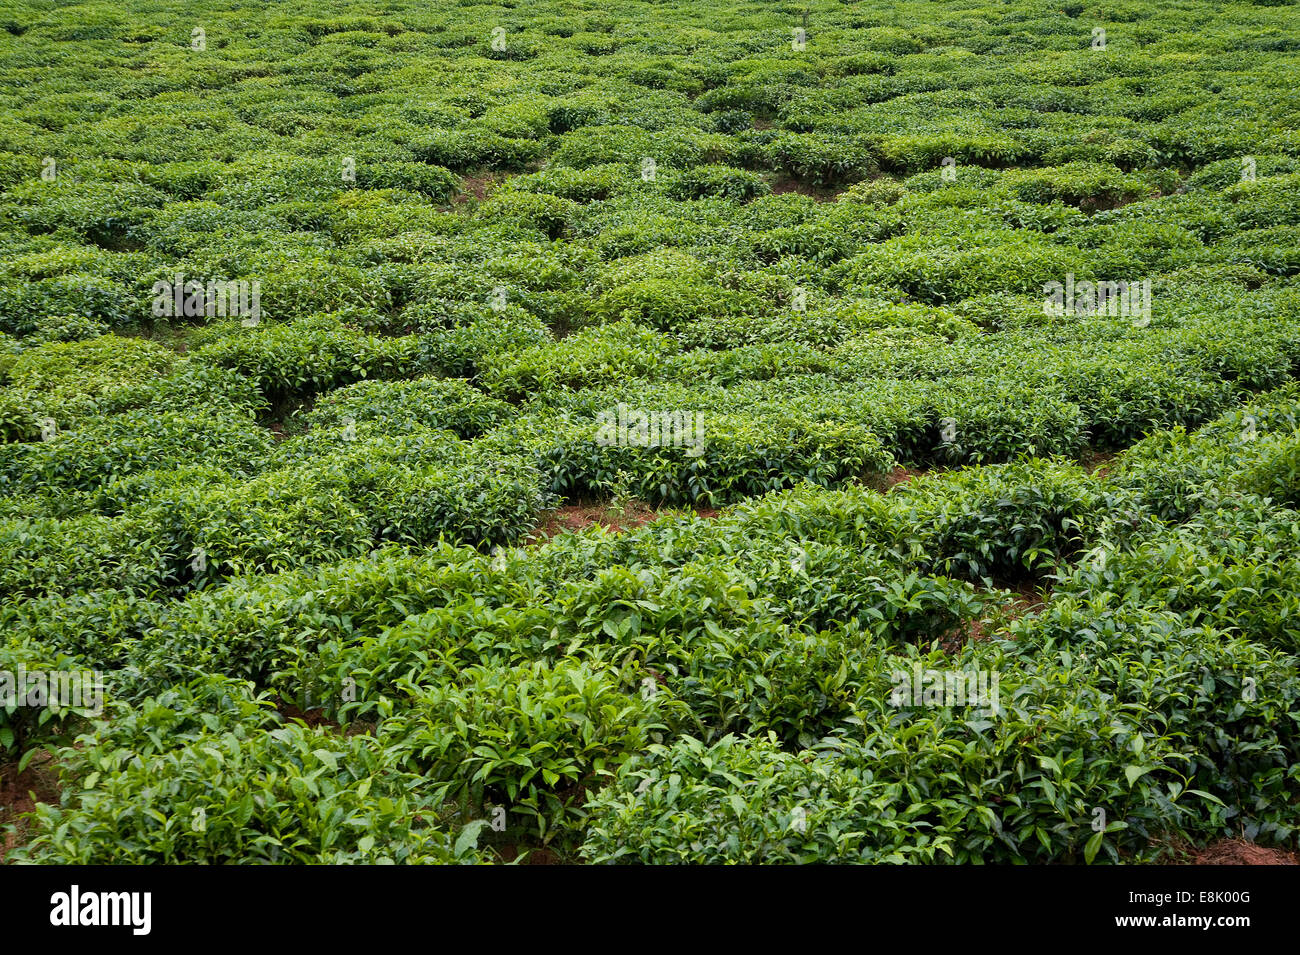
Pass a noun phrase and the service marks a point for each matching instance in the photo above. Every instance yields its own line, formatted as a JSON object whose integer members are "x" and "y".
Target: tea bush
{"x": 403, "y": 405}
{"x": 280, "y": 796}
{"x": 34, "y": 712}
{"x": 531, "y": 737}
{"x": 292, "y": 360}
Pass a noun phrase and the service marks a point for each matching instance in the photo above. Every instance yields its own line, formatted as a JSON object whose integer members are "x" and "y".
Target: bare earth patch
{"x": 1028, "y": 597}
{"x": 475, "y": 188}
{"x": 1097, "y": 463}
{"x": 312, "y": 718}
{"x": 16, "y": 789}
{"x": 526, "y": 855}
{"x": 900, "y": 475}
{"x": 784, "y": 184}
{"x": 1241, "y": 852}
{"x": 576, "y": 517}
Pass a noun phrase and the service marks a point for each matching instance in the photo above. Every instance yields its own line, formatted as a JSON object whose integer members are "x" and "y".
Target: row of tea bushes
{"x": 724, "y": 671}
{"x": 1131, "y": 723}
{"x": 182, "y": 533}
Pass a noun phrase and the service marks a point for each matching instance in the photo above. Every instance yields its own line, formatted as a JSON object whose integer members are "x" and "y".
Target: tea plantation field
{"x": 935, "y": 362}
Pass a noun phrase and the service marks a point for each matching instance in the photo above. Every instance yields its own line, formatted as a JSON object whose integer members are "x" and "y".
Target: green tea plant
{"x": 279, "y": 796}
{"x": 529, "y": 738}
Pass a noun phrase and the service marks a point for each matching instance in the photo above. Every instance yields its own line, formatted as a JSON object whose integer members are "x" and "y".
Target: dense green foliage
{"x": 514, "y": 257}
